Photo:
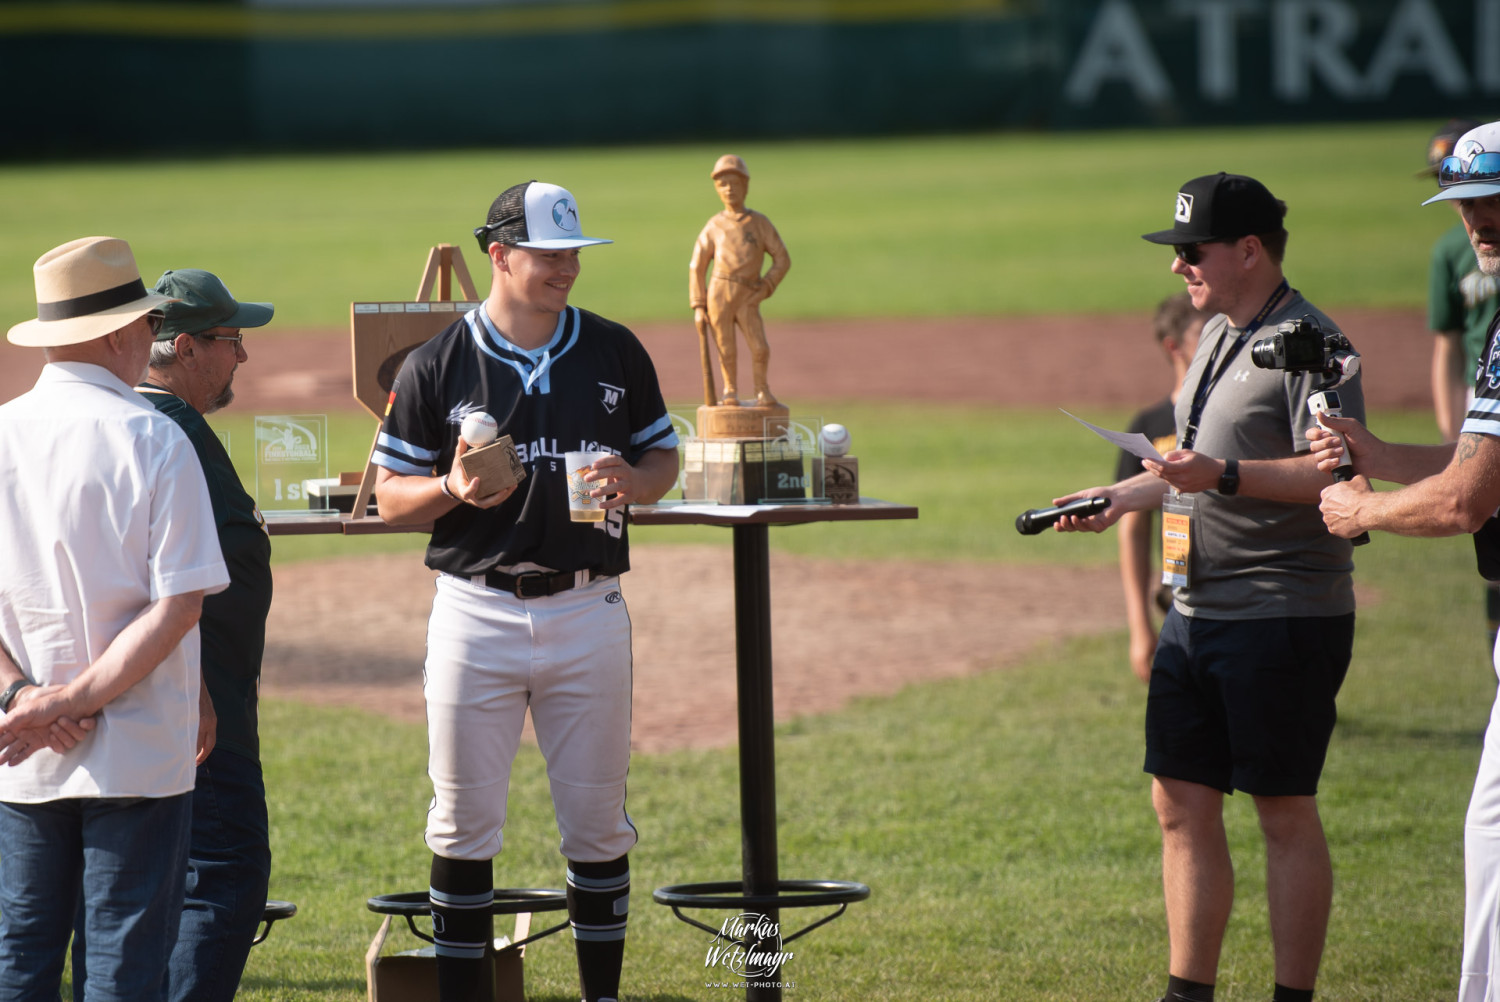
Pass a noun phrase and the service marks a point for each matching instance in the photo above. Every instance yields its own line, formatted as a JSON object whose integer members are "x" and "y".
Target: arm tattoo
{"x": 1468, "y": 448}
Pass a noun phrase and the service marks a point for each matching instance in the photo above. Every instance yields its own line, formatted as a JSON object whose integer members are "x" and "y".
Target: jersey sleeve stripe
{"x": 1481, "y": 426}
{"x": 658, "y": 435}
{"x": 406, "y": 449}
{"x": 396, "y": 465}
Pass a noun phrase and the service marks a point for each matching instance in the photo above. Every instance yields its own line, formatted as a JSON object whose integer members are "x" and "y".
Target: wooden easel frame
{"x": 444, "y": 263}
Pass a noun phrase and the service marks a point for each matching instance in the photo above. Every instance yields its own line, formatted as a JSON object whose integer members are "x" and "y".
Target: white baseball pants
{"x": 490, "y": 655}
{"x": 1482, "y": 871}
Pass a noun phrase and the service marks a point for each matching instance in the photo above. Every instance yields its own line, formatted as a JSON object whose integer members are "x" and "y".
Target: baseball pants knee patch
{"x": 592, "y": 821}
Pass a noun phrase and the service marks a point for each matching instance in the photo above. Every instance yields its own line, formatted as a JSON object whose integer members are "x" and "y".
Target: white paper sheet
{"x": 1132, "y": 442}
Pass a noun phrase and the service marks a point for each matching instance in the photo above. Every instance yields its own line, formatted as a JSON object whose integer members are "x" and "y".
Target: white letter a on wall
{"x": 1117, "y": 49}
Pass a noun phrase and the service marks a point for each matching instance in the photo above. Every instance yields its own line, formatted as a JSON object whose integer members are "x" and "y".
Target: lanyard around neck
{"x": 1211, "y": 375}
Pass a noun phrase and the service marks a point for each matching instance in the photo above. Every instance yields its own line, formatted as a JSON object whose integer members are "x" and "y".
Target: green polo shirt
{"x": 233, "y": 625}
{"x": 1460, "y": 297}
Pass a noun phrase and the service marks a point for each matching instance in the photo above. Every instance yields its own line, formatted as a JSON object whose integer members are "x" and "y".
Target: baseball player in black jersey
{"x": 528, "y": 611}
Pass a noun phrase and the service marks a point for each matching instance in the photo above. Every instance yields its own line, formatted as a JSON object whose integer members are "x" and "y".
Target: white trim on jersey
{"x": 1483, "y": 418}
{"x": 534, "y": 376}
{"x": 397, "y": 464}
{"x": 643, "y": 439}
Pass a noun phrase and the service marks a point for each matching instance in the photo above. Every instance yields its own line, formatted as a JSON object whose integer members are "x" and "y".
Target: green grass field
{"x": 1001, "y": 820}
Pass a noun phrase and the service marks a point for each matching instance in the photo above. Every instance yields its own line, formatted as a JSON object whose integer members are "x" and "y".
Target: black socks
{"x": 598, "y": 907}
{"x": 463, "y": 927}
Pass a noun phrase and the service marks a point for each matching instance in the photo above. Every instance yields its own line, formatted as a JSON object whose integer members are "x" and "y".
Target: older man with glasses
{"x": 197, "y": 348}
{"x": 191, "y": 374}
{"x": 1255, "y": 648}
{"x": 1453, "y": 488}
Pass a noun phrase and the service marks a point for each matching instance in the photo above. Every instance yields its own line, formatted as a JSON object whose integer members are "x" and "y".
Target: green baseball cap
{"x": 203, "y": 302}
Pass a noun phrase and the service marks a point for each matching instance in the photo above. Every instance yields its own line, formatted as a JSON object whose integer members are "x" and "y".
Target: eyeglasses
{"x": 154, "y": 321}
{"x": 236, "y": 338}
{"x": 1191, "y": 254}
{"x": 1482, "y": 167}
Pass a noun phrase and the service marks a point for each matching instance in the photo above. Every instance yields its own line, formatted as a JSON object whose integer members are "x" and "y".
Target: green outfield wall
{"x": 213, "y": 75}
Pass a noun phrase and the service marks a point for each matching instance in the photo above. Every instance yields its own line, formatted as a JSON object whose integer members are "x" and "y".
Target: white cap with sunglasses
{"x": 1473, "y": 170}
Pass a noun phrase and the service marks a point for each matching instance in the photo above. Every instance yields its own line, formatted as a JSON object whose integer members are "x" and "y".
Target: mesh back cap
{"x": 537, "y": 215}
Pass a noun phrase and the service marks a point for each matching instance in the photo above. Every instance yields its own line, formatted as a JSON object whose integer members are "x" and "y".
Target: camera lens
{"x": 1266, "y": 353}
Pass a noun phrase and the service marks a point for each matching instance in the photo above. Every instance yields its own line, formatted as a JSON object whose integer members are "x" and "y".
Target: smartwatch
{"x": 11, "y": 691}
{"x": 1229, "y": 482}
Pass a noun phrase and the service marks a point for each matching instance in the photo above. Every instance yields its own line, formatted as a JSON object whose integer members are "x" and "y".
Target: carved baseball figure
{"x": 737, "y": 242}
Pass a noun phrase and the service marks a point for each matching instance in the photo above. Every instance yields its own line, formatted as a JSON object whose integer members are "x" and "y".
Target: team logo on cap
{"x": 564, "y": 215}
{"x": 1467, "y": 150}
{"x": 1184, "y": 207}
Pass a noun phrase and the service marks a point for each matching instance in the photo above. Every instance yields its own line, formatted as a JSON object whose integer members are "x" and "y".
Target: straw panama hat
{"x": 85, "y": 289}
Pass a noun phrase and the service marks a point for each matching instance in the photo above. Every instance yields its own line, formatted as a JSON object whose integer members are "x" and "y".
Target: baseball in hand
{"x": 479, "y": 429}
{"x": 835, "y": 440}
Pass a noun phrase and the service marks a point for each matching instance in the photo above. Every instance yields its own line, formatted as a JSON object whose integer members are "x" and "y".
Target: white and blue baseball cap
{"x": 537, "y": 215}
{"x": 1473, "y": 169}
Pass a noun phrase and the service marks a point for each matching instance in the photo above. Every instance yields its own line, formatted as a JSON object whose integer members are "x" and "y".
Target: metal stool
{"x": 406, "y": 975}
{"x": 730, "y": 894}
{"x": 508, "y": 901}
{"x": 275, "y": 911}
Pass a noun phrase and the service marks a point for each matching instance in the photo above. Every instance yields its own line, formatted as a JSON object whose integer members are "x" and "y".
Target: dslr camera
{"x": 1304, "y": 346}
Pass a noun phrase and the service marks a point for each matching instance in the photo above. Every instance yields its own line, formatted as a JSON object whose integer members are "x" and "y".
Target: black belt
{"x": 537, "y": 584}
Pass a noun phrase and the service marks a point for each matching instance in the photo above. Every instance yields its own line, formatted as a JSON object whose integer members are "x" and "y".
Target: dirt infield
{"x": 1018, "y": 362}
{"x": 933, "y": 620}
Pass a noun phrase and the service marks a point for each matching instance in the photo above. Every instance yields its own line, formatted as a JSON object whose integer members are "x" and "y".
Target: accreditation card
{"x": 1177, "y": 511}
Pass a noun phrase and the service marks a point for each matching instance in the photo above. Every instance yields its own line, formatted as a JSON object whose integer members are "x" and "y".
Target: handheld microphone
{"x": 1031, "y": 522}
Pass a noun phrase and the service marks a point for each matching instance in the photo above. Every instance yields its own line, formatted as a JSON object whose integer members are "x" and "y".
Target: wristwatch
{"x": 1229, "y": 481}
{"x": 11, "y": 691}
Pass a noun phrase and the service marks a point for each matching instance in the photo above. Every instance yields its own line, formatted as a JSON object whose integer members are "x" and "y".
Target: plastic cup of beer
{"x": 582, "y": 505}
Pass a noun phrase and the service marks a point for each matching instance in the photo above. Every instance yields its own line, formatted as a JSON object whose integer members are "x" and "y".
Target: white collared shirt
{"x": 103, "y": 510}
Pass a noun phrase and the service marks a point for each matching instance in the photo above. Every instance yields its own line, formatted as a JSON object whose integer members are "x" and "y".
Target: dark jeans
{"x": 125, "y": 859}
{"x": 228, "y": 871}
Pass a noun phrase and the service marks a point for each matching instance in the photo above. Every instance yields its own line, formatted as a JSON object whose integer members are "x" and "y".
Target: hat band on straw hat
{"x": 94, "y": 302}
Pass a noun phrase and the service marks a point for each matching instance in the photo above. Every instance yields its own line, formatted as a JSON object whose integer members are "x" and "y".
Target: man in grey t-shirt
{"x": 1255, "y": 648}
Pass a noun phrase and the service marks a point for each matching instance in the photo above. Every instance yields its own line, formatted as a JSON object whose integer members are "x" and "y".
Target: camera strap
{"x": 1211, "y": 374}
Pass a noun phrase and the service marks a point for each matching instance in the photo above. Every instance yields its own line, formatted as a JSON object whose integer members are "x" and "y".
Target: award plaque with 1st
{"x": 290, "y": 451}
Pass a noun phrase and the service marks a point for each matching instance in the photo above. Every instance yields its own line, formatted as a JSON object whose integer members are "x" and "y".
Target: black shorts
{"x": 1246, "y": 704}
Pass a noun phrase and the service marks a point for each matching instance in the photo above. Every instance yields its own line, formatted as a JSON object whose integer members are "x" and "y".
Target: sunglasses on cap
{"x": 1482, "y": 167}
{"x": 1191, "y": 254}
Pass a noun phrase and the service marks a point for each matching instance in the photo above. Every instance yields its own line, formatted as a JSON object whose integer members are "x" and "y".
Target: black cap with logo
{"x": 1220, "y": 207}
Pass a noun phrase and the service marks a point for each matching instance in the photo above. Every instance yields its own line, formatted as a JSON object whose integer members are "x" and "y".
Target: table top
{"x": 649, "y": 514}
{"x": 686, "y": 513}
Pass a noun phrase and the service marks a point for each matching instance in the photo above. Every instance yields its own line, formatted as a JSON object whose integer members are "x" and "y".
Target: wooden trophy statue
{"x": 736, "y": 243}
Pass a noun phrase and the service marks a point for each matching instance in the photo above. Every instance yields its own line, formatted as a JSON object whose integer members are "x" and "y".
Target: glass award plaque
{"x": 290, "y": 451}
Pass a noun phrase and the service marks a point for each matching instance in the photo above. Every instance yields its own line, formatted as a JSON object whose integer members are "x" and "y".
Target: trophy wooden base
{"x": 742, "y": 471}
{"x": 743, "y": 420}
{"x": 497, "y": 465}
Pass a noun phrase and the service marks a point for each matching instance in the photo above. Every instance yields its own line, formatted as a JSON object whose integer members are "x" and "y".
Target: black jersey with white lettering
{"x": 1484, "y": 419}
{"x": 591, "y": 387}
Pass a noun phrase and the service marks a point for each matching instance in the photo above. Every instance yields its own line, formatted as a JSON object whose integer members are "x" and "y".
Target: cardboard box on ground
{"x": 411, "y": 976}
